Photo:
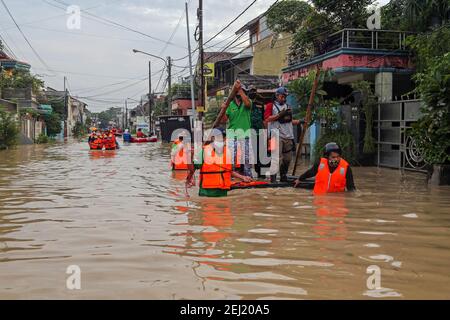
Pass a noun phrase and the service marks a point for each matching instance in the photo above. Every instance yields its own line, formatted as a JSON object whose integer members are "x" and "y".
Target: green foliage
{"x": 42, "y": 139}
{"x": 327, "y": 114}
{"x": 160, "y": 108}
{"x": 301, "y": 89}
{"x": 415, "y": 15}
{"x": 58, "y": 106}
{"x": 345, "y": 13}
{"x": 426, "y": 46}
{"x": 30, "y": 112}
{"x": 342, "y": 137}
{"x": 432, "y": 131}
{"x": 79, "y": 130}
{"x": 211, "y": 115}
{"x": 53, "y": 124}
{"x": 108, "y": 115}
{"x": 21, "y": 79}
{"x": 9, "y": 130}
{"x": 368, "y": 102}
{"x": 288, "y": 16}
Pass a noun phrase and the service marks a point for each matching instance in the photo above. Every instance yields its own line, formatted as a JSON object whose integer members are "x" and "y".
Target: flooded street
{"x": 123, "y": 218}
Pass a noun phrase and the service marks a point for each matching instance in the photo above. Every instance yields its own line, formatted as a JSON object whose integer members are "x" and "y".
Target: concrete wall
{"x": 270, "y": 55}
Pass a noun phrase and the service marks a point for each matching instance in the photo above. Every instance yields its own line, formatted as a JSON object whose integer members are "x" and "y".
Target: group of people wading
{"x": 226, "y": 154}
{"x": 99, "y": 140}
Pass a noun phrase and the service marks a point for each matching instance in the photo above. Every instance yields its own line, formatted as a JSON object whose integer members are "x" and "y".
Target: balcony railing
{"x": 367, "y": 39}
{"x": 385, "y": 40}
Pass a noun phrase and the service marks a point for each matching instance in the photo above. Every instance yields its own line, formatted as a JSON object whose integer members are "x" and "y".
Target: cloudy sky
{"x": 97, "y": 59}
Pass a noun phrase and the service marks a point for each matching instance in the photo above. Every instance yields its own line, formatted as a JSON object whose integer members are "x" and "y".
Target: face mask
{"x": 218, "y": 146}
{"x": 333, "y": 163}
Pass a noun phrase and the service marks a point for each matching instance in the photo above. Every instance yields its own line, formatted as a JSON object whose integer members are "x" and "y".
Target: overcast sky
{"x": 98, "y": 59}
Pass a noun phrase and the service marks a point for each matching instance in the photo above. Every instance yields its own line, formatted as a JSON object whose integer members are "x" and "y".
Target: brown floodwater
{"x": 124, "y": 219}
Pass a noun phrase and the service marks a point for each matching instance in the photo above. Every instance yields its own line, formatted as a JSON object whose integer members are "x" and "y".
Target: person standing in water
{"x": 332, "y": 173}
{"x": 216, "y": 169}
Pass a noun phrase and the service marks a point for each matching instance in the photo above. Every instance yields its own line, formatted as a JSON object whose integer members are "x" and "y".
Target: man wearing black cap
{"x": 332, "y": 173}
{"x": 278, "y": 116}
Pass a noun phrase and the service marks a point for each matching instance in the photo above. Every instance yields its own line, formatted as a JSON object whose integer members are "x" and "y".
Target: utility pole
{"x": 202, "y": 58}
{"x": 66, "y": 110}
{"x": 150, "y": 97}
{"x": 190, "y": 64}
{"x": 126, "y": 108}
{"x": 169, "y": 82}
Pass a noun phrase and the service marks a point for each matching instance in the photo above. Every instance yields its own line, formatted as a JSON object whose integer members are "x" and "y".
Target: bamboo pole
{"x": 307, "y": 119}
{"x": 224, "y": 106}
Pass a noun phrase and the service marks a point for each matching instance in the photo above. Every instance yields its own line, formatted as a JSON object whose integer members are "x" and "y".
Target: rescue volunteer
{"x": 179, "y": 155}
{"x": 333, "y": 174}
{"x": 278, "y": 116}
{"x": 140, "y": 134}
{"x": 239, "y": 124}
{"x": 216, "y": 170}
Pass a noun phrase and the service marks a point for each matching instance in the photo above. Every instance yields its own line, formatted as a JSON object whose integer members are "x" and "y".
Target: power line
{"x": 116, "y": 24}
{"x": 24, "y": 36}
{"x": 231, "y": 22}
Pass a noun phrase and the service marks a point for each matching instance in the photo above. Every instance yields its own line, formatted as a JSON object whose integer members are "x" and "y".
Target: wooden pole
{"x": 224, "y": 106}
{"x": 307, "y": 119}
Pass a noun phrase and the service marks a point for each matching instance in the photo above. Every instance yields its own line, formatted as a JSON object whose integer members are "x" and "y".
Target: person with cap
{"x": 278, "y": 117}
{"x": 215, "y": 166}
{"x": 238, "y": 117}
{"x": 257, "y": 124}
{"x": 332, "y": 173}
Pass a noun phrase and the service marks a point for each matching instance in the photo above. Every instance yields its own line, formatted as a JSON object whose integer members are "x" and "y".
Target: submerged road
{"x": 123, "y": 218}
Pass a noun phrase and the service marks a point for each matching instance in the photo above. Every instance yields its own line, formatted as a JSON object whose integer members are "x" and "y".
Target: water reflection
{"x": 331, "y": 211}
{"x": 124, "y": 217}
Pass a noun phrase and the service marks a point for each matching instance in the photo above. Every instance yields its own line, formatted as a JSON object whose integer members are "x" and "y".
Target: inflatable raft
{"x": 266, "y": 184}
{"x": 143, "y": 140}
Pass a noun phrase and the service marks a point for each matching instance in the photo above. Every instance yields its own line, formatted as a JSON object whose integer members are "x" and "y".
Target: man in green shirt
{"x": 239, "y": 124}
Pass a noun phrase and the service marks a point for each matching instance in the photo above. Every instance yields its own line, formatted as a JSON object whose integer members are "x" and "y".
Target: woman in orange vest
{"x": 333, "y": 174}
{"x": 216, "y": 170}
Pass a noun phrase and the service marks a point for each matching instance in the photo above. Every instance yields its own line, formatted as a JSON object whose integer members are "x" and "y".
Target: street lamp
{"x": 168, "y": 64}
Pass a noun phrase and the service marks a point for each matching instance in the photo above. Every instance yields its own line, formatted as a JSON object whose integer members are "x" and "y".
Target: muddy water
{"x": 123, "y": 218}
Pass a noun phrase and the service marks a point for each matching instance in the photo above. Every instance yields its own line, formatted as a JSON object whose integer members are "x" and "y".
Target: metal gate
{"x": 396, "y": 148}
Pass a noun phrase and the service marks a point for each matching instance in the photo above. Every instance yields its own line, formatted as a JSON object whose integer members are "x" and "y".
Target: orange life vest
{"x": 96, "y": 144}
{"x": 181, "y": 158}
{"x": 331, "y": 182}
{"x": 215, "y": 172}
{"x": 110, "y": 143}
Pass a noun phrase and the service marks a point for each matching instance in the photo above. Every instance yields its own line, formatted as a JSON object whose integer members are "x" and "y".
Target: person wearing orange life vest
{"x": 111, "y": 142}
{"x": 216, "y": 169}
{"x": 179, "y": 154}
{"x": 333, "y": 174}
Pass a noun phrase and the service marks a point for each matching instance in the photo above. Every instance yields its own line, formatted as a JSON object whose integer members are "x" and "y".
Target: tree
{"x": 432, "y": 131}
{"x": 53, "y": 124}
{"x": 21, "y": 79}
{"x": 426, "y": 46}
{"x": 415, "y": 15}
{"x": 345, "y": 13}
{"x": 9, "y": 130}
{"x": 288, "y": 16}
